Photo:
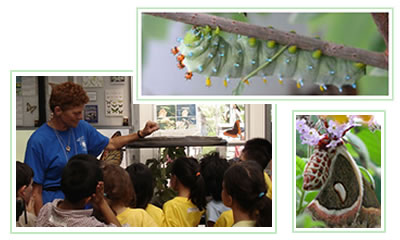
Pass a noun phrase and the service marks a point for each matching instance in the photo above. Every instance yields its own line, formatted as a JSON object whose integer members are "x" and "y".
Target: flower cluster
{"x": 334, "y": 131}
{"x": 308, "y": 135}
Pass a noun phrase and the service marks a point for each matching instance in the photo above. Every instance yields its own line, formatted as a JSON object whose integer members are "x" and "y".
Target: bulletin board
{"x": 109, "y": 99}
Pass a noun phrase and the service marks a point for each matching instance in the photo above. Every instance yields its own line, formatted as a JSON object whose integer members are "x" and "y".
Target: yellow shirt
{"x": 225, "y": 220}
{"x": 247, "y": 223}
{"x": 156, "y": 213}
{"x": 136, "y": 217}
{"x": 181, "y": 212}
{"x": 269, "y": 184}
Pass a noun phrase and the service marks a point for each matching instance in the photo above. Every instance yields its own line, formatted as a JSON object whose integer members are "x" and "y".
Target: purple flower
{"x": 311, "y": 137}
{"x": 373, "y": 125}
{"x": 336, "y": 129}
{"x": 301, "y": 125}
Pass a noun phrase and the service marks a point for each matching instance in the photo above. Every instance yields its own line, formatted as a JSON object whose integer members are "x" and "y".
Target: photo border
{"x": 148, "y": 230}
{"x": 382, "y": 229}
{"x": 177, "y": 98}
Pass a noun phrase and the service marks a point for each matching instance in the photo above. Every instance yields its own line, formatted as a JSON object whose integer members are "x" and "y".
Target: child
{"x": 24, "y": 192}
{"x": 259, "y": 150}
{"x": 244, "y": 191}
{"x": 143, "y": 184}
{"x": 212, "y": 169}
{"x": 81, "y": 183}
{"x": 186, "y": 209}
{"x": 120, "y": 194}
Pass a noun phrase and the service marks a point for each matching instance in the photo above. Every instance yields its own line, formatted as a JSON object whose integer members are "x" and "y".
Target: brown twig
{"x": 382, "y": 22}
{"x": 285, "y": 38}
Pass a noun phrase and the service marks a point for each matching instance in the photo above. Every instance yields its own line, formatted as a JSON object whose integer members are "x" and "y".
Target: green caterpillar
{"x": 205, "y": 51}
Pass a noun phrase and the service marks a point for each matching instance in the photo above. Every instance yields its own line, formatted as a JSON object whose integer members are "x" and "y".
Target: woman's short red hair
{"x": 67, "y": 95}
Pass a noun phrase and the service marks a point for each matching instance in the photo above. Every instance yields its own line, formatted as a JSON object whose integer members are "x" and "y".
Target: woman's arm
{"x": 118, "y": 142}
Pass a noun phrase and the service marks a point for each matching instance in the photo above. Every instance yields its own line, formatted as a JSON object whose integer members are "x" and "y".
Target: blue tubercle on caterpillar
{"x": 203, "y": 50}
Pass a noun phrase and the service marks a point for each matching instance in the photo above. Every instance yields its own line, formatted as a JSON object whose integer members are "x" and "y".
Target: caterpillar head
{"x": 196, "y": 34}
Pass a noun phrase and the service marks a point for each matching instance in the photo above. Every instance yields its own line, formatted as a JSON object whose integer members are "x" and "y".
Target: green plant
{"x": 161, "y": 171}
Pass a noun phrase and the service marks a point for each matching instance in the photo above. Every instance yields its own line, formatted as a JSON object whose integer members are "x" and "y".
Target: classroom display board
{"x": 108, "y": 106}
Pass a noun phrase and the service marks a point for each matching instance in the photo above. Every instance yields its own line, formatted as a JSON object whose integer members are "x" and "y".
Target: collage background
{"x": 101, "y": 35}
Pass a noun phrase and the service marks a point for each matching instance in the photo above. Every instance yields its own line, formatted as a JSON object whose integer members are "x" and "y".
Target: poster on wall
{"x": 92, "y": 82}
{"x": 166, "y": 116}
{"x": 30, "y": 111}
{"x": 117, "y": 80}
{"x": 186, "y": 116}
{"x": 91, "y": 114}
{"x": 114, "y": 104}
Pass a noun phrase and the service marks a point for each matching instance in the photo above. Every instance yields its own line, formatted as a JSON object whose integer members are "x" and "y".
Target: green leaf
{"x": 372, "y": 140}
{"x": 310, "y": 195}
{"x": 367, "y": 175}
{"x": 300, "y": 165}
{"x": 299, "y": 181}
{"x": 305, "y": 221}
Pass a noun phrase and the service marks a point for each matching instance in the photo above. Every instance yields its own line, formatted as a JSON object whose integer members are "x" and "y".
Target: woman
{"x": 64, "y": 136}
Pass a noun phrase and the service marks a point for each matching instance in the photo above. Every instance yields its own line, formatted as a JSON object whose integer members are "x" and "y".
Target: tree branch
{"x": 382, "y": 22}
{"x": 285, "y": 38}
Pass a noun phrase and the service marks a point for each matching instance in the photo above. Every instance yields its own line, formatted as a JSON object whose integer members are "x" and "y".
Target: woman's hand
{"x": 149, "y": 128}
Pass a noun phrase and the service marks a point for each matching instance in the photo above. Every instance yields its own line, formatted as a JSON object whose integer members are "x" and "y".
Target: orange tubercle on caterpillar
{"x": 180, "y": 58}
{"x": 188, "y": 75}
{"x": 180, "y": 65}
{"x": 174, "y": 50}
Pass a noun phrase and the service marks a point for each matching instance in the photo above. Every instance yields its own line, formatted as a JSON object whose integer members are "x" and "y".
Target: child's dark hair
{"x": 259, "y": 150}
{"x": 187, "y": 170}
{"x": 80, "y": 177}
{"x": 118, "y": 186}
{"x": 24, "y": 175}
{"x": 212, "y": 169}
{"x": 143, "y": 183}
{"x": 245, "y": 183}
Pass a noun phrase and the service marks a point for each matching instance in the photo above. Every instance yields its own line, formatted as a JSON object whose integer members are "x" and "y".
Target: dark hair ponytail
{"x": 187, "y": 170}
{"x": 245, "y": 182}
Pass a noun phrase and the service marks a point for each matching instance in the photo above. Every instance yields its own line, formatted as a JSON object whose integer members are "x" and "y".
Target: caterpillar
{"x": 205, "y": 51}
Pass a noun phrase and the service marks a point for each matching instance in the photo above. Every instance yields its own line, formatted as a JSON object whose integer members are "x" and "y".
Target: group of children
{"x": 228, "y": 194}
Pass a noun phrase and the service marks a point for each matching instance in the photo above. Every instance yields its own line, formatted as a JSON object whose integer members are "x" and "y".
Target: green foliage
{"x": 306, "y": 221}
{"x": 161, "y": 171}
{"x": 159, "y": 31}
{"x": 372, "y": 141}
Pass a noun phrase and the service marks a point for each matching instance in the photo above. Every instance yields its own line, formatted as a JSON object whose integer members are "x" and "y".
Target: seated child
{"x": 81, "y": 183}
{"x": 244, "y": 191}
{"x": 120, "y": 195}
{"x": 143, "y": 184}
{"x": 187, "y": 208}
{"x": 24, "y": 193}
{"x": 212, "y": 169}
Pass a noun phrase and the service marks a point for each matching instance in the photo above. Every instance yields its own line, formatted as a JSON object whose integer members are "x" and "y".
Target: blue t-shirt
{"x": 214, "y": 210}
{"x": 47, "y": 156}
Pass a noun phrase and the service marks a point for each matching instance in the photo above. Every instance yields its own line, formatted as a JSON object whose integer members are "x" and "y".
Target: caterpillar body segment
{"x": 206, "y": 52}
